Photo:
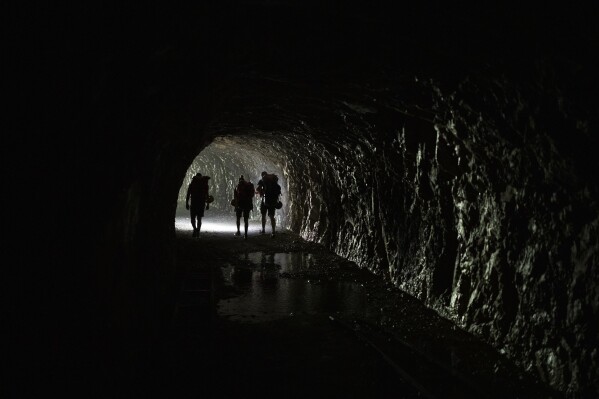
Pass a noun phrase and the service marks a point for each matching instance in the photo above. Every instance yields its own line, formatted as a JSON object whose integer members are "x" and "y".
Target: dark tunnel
{"x": 450, "y": 150}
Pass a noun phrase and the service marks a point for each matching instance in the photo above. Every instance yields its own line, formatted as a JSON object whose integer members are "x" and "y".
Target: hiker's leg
{"x": 237, "y": 220}
{"x": 263, "y": 211}
{"x": 200, "y": 216}
{"x": 193, "y": 219}
{"x": 193, "y": 215}
{"x": 271, "y": 214}
{"x": 246, "y": 217}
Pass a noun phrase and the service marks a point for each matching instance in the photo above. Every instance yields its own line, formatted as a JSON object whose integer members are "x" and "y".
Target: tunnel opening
{"x": 224, "y": 160}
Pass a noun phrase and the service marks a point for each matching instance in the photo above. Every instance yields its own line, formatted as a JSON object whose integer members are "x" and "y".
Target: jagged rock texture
{"x": 477, "y": 213}
{"x": 466, "y": 199}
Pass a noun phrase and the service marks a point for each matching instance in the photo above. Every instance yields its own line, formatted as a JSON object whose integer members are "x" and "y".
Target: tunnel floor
{"x": 286, "y": 317}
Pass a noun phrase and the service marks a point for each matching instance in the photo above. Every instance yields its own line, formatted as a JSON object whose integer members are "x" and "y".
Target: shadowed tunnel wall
{"x": 459, "y": 165}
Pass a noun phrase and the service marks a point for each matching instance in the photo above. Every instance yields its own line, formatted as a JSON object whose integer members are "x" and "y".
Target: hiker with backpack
{"x": 270, "y": 191}
{"x": 197, "y": 191}
{"x": 243, "y": 200}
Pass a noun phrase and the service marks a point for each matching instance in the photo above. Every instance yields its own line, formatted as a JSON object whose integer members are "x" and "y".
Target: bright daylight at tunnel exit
{"x": 226, "y": 161}
{"x": 303, "y": 199}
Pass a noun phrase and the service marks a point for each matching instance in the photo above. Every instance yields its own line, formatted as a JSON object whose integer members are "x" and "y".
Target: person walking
{"x": 270, "y": 192}
{"x": 243, "y": 196}
{"x": 197, "y": 192}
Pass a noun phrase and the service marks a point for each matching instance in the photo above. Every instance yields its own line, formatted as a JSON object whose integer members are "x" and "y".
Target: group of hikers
{"x": 267, "y": 188}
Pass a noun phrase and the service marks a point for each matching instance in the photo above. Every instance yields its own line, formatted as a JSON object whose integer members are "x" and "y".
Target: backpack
{"x": 271, "y": 186}
{"x": 204, "y": 184}
{"x": 246, "y": 191}
{"x": 199, "y": 187}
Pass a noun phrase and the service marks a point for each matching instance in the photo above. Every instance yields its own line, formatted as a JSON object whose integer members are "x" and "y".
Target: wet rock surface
{"x": 287, "y": 316}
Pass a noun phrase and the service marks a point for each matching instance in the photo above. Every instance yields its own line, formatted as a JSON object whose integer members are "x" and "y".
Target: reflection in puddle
{"x": 264, "y": 295}
{"x": 292, "y": 262}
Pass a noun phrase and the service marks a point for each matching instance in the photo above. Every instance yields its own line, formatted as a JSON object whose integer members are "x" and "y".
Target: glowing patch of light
{"x": 219, "y": 227}
{"x": 213, "y": 225}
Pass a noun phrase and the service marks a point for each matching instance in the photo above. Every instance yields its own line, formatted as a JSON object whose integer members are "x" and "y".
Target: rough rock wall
{"x": 526, "y": 220}
{"x": 470, "y": 202}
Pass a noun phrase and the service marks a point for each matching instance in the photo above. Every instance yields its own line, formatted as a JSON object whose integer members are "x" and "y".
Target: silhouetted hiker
{"x": 244, "y": 203}
{"x": 198, "y": 192}
{"x": 269, "y": 190}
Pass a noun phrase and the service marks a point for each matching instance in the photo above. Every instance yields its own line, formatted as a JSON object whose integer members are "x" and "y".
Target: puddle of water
{"x": 266, "y": 296}
{"x": 292, "y": 262}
